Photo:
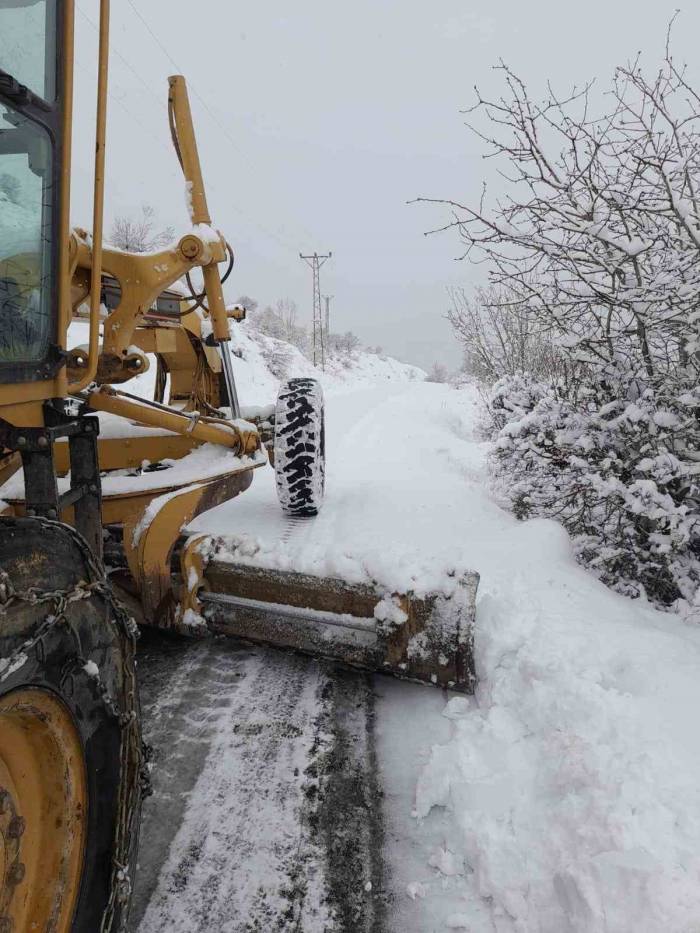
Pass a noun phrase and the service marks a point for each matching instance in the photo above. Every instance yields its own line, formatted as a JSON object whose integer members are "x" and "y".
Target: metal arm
{"x": 185, "y": 144}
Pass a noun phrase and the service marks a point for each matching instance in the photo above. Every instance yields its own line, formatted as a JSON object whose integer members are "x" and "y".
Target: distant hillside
{"x": 265, "y": 361}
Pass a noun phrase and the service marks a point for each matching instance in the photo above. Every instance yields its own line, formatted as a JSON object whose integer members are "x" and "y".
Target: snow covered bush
{"x": 592, "y": 314}
{"x": 513, "y": 397}
{"x": 613, "y": 469}
{"x": 277, "y": 356}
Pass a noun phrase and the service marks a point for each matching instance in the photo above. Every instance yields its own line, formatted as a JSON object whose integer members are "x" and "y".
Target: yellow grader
{"x": 92, "y": 475}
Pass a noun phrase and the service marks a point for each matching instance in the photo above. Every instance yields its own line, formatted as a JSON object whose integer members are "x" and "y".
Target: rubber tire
{"x": 300, "y": 446}
{"x": 51, "y": 556}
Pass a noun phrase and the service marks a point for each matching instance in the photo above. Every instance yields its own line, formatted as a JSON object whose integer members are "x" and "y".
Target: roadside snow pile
{"x": 571, "y": 778}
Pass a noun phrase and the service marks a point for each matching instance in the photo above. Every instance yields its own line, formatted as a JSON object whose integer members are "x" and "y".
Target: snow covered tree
{"x": 281, "y": 322}
{"x": 287, "y": 311}
{"x": 348, "y": 342}
{"x": 597, "y": 247}
{"x": 250, "y": 304}
{"x": 268, "y": 322}
{"x": 438, "y": 373}
{"x": 499, "y": 336}
{"x": 598, "y": 239}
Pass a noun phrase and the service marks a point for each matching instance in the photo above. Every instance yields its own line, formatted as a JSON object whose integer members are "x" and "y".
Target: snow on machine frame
{"x": 68, "y": 698}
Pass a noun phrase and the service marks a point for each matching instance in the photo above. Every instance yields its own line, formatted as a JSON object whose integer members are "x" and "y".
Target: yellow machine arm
{"x": 142, "y": 277}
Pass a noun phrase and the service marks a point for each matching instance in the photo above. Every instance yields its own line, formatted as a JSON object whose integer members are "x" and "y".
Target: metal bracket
{"x": 36, "y": 446}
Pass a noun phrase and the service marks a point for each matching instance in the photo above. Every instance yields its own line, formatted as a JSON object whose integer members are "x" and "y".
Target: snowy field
{"x": 564, "y": 796}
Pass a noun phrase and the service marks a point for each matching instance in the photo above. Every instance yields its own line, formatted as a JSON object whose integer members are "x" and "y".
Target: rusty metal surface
{"x": 149, "y": 549}
{"x": 335, "y": 619}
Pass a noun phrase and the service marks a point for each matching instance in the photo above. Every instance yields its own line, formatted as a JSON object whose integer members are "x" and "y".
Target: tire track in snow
{"x": 266, "y": 814}
{"x": 179, "y": 685}
{"x": 348, "y": 815}
{"x": 242, "y": 859}
{"x": 292, "y": 526}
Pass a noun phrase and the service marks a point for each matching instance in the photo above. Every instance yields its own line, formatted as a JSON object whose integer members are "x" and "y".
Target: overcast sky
{"x": 323, "y": 119}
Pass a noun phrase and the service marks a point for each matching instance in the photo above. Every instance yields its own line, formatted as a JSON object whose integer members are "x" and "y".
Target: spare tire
{"x": 300, "y": 446}
{"x": 71, "y": 770}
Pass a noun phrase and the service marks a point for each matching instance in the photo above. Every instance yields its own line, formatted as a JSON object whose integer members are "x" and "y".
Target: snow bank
{"x": 571, "y": 778}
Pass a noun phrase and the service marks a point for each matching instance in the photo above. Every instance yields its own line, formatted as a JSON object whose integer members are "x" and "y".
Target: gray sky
{"x": 323, "y": 119}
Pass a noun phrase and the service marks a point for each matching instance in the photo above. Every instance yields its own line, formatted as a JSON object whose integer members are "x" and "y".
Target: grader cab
{"x": 93, "y": 475}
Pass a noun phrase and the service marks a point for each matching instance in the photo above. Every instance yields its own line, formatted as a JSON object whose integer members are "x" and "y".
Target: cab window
{"x": 26, "y": 198}
{"x": 28, "y": 44}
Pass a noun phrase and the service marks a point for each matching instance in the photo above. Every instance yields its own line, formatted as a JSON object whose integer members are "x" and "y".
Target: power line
{"x": 117, "y": 100}
{"x": 212, "y": 115}
{"x": 196, "y": 93}
{"x": 124, "y": 60}
{"x": 225, "y": 196}
{"x": 315, "y": 262}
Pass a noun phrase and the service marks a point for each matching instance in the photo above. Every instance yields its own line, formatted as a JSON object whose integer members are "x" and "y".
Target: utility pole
{"x": 315, "y": 262}
{"x": 327, "y": 299}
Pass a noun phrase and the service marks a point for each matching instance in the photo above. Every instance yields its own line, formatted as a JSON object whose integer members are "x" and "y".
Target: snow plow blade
{"x": 426, "y": 639}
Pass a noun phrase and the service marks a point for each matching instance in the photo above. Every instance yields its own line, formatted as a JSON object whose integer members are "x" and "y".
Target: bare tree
{"x": 140, "y": 234}
{"x": 598, "y": 238}
{"x": 438, "y": 373}
{"x": 500, "y": 337}
{"x": 288, "y": 312}
{"x": 250, "y": 304}
{"x": 280, "y": 322}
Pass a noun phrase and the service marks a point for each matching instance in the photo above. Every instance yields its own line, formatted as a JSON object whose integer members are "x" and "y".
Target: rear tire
{"x": 76, "y": 659}
{"x": 300, "y": 446}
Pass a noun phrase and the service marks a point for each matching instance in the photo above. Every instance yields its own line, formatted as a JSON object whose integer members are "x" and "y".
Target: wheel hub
{"x": 43, "y": 812}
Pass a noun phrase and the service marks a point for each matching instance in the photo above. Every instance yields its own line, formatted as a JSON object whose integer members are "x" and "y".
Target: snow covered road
{"x": 284, "y": 788}
{"x": 396, "y": 503}
{"x": 564, "y": 797}
{"x": 242, "y": 831}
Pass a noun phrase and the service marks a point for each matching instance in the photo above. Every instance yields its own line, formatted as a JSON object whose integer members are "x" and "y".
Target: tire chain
{"x": 135, "y": 755}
